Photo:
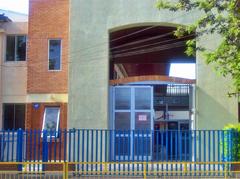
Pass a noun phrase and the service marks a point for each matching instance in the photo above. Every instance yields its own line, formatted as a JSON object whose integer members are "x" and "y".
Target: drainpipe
{"x": 1, "y": 62}
{"x": 192, "y": 109}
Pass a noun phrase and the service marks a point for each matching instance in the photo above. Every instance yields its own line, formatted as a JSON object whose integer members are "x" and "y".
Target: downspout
{"x": 1, "y": 63}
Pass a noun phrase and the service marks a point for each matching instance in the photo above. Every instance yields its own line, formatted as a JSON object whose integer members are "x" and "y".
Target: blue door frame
{"x": 135, "y": 113}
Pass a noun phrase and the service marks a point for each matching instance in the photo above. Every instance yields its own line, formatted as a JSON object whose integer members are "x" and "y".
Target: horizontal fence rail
{"x": 67, "y": 170}
{"x": 51, "y": 170}
{"x": 149, "y": 169}
{"x": 161, "y": 150}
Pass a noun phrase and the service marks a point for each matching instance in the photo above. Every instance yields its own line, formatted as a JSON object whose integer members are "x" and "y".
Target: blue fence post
{"x": 44, "y": 147}
{"x": 231, "y": 138}
{"x": 8, "y": 141}
{"x": 19, "y": 148}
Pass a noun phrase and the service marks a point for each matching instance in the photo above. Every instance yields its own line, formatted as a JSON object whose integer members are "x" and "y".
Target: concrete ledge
{"x": 47, "y": 98}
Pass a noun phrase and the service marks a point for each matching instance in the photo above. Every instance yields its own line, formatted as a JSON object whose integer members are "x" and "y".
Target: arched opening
{"x": 146, "y": 51}
{"x": 144, "y": 95}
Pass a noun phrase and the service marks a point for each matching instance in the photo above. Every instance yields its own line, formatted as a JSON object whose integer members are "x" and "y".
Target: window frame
{"x": 15, "y": 48}
{"x": 60, "y": 69}
{"x": 14, "y": 122}
{"x": 44, "y": 120}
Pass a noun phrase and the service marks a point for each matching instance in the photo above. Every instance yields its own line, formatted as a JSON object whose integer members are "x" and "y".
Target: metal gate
{"x": 132, "y": 110}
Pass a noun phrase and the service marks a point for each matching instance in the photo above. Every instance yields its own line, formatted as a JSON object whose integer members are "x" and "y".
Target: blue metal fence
{"x": 92, "y": 145}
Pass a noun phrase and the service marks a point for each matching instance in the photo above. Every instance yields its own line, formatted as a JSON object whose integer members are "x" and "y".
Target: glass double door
{"x": 133, "y": 122}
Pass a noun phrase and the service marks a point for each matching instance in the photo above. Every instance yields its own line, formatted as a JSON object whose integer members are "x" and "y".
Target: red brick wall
{"x": 47, "y": 19}
{"x": 35, "y": 121}
{"x": 34, "y": 117}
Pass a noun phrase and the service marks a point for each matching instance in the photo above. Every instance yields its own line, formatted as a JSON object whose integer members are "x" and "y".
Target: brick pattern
{"x": 47, "y": 20}
{"x": 34, "y": 117}
{"x": 35, "y": 121}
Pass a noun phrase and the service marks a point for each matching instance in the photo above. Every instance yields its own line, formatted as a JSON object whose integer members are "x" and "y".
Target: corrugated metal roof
{"x": 15, "y": 16}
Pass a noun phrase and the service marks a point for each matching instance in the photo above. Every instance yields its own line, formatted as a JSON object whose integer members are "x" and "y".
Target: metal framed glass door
{"x": 122, "y": 122}
{"x": 132, "y": 122}
{"x": 143, "y": 122}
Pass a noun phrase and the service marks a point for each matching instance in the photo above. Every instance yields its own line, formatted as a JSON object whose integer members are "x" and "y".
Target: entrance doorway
{"x": 144, "y": 97}
{"x": 133, "y": 111}
{"x": 149, "y": 125}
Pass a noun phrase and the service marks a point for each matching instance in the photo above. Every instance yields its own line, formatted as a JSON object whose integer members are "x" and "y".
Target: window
{"x": 13, "y": 116}
{"x": 54, "y": 54}
{"x": 16, "y": 48}
{"x": 51, "y": 118}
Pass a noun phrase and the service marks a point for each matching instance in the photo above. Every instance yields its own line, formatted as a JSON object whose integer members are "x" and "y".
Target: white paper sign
{"x": 142, "y": 117}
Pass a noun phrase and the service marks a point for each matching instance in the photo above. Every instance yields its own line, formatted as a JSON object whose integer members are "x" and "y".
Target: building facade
{"x": 13, "y": 69}
{"x": 34, "y": 66}
{"x": 92, "y": 28}
{"x": 99, "y": 65}
{"x": 47, "y": 79}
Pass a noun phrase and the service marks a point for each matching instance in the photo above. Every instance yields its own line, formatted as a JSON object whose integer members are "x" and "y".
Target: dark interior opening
{"x": 13, "y": 116}
{"x": 146, "y": 50}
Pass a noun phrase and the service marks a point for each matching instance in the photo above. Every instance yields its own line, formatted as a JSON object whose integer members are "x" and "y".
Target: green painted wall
{"x": 90, "y": 23}
{"x": 214, "y": 107}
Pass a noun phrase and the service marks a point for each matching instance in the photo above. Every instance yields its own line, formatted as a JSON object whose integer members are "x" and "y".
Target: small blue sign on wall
{"x": 36, "y": 105}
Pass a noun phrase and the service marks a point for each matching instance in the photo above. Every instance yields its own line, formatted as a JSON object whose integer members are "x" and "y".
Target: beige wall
{"x": 13, "y": 75}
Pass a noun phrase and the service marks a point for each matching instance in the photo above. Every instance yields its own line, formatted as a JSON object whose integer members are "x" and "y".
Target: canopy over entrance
{"x": 151, "y": 78}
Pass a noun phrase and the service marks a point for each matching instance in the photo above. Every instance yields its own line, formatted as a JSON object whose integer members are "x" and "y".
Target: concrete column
{"x": 1, "y": 60}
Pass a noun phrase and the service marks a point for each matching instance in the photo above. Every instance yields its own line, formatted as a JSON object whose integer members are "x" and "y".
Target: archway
{"x": 140, "y": 61}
